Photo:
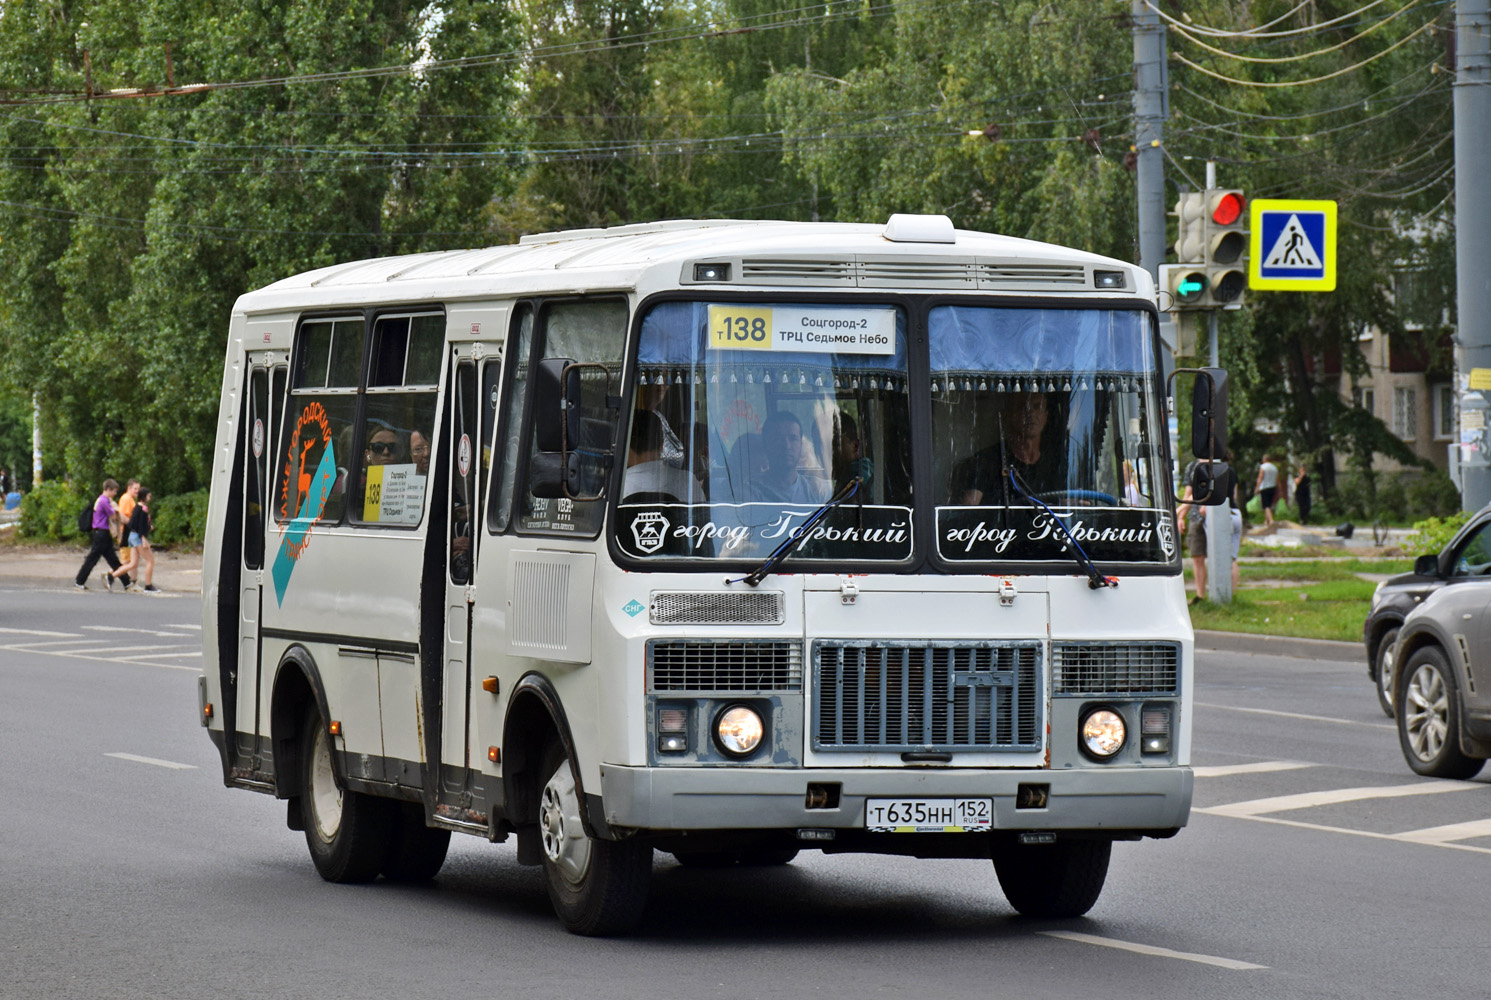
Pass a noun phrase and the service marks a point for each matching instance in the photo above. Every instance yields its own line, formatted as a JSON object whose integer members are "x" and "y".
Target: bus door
{"x": 468, "y": 442}
{"x": 265, "y": 403}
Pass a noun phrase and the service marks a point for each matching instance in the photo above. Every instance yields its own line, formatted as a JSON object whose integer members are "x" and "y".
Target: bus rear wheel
{"x": 1055, "y": 881}
{"x": 347, "y": 832}
{"x": 598, "y": 887}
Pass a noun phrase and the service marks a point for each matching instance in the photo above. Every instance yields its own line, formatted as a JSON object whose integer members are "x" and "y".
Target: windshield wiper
{"x": 1095, "y": 580}
{"x": 782, "y": 551}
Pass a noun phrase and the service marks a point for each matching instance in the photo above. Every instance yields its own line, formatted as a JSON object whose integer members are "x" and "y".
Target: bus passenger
{"x": 782, "y": 481}
{"x": 384, "y": 445}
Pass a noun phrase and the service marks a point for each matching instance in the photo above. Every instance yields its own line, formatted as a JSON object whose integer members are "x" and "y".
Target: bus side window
{"x": 317, "y": 437}
{"x": 398, "y": 432}
{"x": 594, "y": 333}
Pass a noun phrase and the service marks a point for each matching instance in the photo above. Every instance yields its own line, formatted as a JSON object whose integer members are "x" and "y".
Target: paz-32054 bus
{"x": 718, "y": 539}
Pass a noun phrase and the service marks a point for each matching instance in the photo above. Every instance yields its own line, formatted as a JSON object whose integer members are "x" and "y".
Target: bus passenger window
{"x": 317, "y": 441}
{"x": 499, "y": 514}
{"x": 399, "y": 420}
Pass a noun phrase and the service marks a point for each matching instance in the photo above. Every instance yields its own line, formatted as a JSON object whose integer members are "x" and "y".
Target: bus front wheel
{"x": 598, "y": 887}
{"x": 347, "y": 832}
{"x": 1055, "y": 881}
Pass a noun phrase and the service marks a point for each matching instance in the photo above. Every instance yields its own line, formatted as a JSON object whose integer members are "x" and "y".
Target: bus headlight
{"x": 1103, "y": 733}
{"x": 738, "y": 730}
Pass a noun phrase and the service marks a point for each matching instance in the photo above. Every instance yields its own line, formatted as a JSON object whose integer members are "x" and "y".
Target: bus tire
{"x": 598, "y": 887}
{"x": 347, "y": 832}
{"x": 1054, "y": 881}
{"x": 416, "y": 852}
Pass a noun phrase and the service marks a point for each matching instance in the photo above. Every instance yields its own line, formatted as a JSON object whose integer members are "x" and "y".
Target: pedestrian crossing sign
{"x": 1293, "y": 245}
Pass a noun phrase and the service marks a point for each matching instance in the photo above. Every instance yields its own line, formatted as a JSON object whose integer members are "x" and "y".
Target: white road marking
{"x": 36, "y": 631}
{"x": 1445, "y": 834}
{"x": 1261, "y": 767}
{"x": 197, "y": 627}
{"x": 1295, "y": 715}
{"x": 1334, "y": 796}
{"x": 159, "y": 656}
{"x": 1148, "y": 949}
{"x": 142, "y": 631}
{"x": 1448, "y": 845}
{"x": 103, "y": 656}
{"x": 153, "y": 760}
{"x": 24, "y": 646}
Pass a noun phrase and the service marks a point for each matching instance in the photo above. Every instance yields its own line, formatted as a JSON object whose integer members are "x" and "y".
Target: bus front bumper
{"x": 714, "y": 798}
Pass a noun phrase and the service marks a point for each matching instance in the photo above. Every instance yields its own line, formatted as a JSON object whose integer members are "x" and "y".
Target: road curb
{"x": 1279, "y": 645}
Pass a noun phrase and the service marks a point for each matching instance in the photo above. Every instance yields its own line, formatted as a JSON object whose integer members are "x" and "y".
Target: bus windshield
{"x": 748, "y": 416}
{"x": 1045, "y": 434}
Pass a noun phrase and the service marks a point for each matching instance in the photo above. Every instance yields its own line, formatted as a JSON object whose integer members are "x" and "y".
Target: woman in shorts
{"x": 137, "y": 532}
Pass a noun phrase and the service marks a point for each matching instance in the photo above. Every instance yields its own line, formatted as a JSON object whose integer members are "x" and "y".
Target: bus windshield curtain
{"x": 976, "y": 340}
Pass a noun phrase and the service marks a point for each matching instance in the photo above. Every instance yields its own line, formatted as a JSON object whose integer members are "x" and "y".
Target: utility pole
{"x": 1472, "y": 226}
{"x": 1150, "y": 86}
{"x": 35, "y": 440}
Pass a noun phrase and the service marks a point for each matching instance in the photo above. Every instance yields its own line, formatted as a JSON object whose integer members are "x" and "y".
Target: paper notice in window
{"x": 816, "y": 330}
{"x": 1480, "y": 378}
{"x": 395, "y": 495}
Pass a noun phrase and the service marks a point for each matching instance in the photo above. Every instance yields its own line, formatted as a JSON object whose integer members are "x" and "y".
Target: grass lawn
{"x": 1303, "y": 598}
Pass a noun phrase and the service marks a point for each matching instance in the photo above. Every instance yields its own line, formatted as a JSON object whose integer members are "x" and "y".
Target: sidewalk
{"x": 54, "y": 567}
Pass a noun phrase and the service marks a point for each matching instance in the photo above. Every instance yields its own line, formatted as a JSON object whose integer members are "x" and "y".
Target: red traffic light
{"x": 1228, "y": 209}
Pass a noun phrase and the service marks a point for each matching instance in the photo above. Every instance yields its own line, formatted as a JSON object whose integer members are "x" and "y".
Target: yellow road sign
{"x": 1293, "y": 245}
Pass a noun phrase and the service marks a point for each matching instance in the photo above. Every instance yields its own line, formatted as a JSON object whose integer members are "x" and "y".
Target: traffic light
{"x": 1186, "y": 284}
{"x": 1190, "y": 232}
{"x": 1225, "y": 238}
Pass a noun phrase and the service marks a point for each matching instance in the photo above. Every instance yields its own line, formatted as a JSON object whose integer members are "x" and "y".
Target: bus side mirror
{"x": 1212, "y": 483}
{"x": 554, "y": 475}
{"x": 556, "y": 404}
{"x": 1209, "y": 414}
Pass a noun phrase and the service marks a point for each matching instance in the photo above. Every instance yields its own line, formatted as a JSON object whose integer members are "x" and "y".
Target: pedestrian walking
{"x": 105, "y": 518}
{"x": 126, "y": 505}
{"x": 1267, "y": 489}
{"x": 137, "y": 534}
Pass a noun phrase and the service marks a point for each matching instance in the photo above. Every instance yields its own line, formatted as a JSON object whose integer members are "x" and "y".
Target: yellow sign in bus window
{"x": 740, "y": 327}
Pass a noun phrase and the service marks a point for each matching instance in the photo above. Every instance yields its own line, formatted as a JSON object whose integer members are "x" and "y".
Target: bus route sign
{"x": 1293, "y": 245}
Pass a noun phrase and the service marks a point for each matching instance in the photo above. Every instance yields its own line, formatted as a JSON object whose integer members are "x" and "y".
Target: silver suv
{"x": 1442, "y": 688}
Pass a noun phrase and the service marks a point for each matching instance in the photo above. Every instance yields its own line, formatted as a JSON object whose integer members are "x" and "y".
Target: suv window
{"x": 1475, "y": 554}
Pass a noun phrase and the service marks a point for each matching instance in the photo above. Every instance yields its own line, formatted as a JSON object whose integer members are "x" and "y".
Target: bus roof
{"x": 909, "y": 251}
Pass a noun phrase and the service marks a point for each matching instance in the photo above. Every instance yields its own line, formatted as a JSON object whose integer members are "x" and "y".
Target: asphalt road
{"x": 128, "y": 870}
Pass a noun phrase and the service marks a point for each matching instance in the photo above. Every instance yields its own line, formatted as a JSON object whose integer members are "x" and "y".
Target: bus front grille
{"x": 875, "y": 695}
{"x": 730, "y": 666}
{"x": 1120, "y": 668}
{"x": 768, "y": 607}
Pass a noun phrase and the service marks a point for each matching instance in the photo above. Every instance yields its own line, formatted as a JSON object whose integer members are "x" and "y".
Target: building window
{"x": 1405, "y": 412}
{"x": 1364, "y": 397}
{"x": 1444, "y": 412}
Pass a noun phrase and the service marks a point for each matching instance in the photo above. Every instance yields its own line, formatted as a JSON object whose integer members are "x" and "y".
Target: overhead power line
{"x": 1299, "y": 57}
{"x": 1312, "y": 80}
{"x": 1255, "y": 33}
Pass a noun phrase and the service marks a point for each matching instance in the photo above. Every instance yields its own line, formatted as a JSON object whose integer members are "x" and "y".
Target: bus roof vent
{"x": 920, "y": 229}
{"x": 918, "y": 273}
{"x": 1006, "y": 274}
{"x": 778, "y": 271}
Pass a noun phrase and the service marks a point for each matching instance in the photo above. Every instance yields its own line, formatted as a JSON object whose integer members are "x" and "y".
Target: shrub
{"x": 179, "y": 519}
{"x": 50, "y": 511}
{"x": 1392, "y": 500}
{"x": 1432, "y": 495}
{"x": 1433, "y": 534}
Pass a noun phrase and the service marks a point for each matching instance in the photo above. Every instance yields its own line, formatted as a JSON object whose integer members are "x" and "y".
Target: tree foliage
{"x": 128, "y": 227}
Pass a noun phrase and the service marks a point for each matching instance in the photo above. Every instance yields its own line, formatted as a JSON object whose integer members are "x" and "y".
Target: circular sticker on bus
{"x": 258, "y": 437}
{"x": 463, "y": 456}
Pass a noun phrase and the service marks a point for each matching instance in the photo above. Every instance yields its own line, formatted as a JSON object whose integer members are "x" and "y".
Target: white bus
{"x": 720, "y": 539}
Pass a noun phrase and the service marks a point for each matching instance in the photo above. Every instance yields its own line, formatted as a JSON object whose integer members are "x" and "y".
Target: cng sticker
{"x": 634, "y": 607}
{"x": 1293, "y": 245}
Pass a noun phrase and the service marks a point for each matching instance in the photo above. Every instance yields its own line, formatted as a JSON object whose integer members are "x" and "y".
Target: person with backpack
{"x": 137, "y": 537}
{"x": 103, "y": 517}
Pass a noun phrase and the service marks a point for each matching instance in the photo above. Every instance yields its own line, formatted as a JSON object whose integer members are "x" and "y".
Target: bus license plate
{"x": 929, "y": 815}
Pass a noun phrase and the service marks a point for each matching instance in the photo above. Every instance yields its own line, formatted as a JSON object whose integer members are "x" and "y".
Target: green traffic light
{"x": 1189, "y": 288}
